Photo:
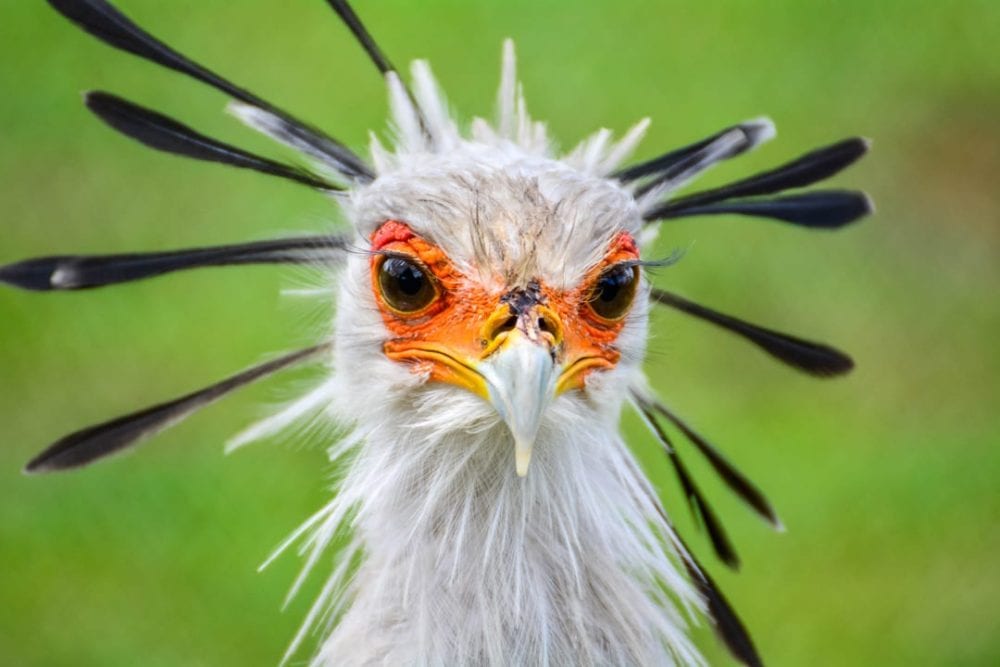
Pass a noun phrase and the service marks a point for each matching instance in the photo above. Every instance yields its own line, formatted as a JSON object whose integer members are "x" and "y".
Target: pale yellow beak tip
{"x": 522, "y": 458}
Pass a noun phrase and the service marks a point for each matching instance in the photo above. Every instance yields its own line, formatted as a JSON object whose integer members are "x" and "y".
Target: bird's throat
{"x": 467, "y": 563}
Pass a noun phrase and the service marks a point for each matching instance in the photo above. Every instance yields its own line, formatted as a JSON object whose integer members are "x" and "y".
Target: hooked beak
{"x": 521, "y": 379}
{"x": 523, "y": 363}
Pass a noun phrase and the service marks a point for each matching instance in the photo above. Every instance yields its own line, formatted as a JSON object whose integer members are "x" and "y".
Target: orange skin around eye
{"x": 589, "y": 337}
{"x": 449, "y": 337}
{"x": 448, "y": 330}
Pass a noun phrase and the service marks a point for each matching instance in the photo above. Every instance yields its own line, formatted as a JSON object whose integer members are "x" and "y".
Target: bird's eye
{"x": 405, "y": 286}
{"x": 614, "y": 291}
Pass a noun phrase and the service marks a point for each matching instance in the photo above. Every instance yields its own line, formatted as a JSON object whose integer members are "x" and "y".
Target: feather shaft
{"x": 694, "y": 163}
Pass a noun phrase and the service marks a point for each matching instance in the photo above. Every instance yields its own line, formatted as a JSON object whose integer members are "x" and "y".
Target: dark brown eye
{"x": 405, "y": 286}
{"x": 614, "y": 291}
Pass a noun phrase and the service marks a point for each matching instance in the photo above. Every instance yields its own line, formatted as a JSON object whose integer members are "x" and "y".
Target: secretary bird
{"x": 491, "y": 323}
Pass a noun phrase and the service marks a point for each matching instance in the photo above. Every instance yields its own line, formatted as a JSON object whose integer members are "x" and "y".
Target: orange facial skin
{"x": 590, "y": 336}
{"x": 466, "y": 322}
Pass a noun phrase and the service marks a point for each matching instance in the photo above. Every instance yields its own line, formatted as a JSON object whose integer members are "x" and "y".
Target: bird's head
{"x": 497, "y": 279}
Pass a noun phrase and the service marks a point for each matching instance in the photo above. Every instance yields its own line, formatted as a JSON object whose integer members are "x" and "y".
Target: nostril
{"x": 548, "y": 325}
{"x": 501, "y": 327}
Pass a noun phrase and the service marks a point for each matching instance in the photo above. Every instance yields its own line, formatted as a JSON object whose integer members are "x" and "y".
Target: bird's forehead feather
{"x": 502, "y": 214}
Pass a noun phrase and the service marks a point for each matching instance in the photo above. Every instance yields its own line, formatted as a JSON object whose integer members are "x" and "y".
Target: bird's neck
{"x": 463, "y": 562}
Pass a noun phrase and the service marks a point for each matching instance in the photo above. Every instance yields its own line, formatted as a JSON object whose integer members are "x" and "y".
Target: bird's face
{"x": 516, "y": 283}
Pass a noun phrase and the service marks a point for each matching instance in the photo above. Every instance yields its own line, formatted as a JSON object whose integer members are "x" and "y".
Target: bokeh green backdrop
{"x": 887, "y": 480}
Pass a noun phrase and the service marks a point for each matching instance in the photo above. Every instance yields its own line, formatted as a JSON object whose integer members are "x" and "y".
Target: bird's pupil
{"x": 409, "y": 279}
{"x": 612, "y": 284}
{"x": 614, "y": 291}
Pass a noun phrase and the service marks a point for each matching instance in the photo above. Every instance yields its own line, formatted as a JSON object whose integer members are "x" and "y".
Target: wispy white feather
{"x": 410, "y": 135}
{"x": 304, "y": 407}
{"x": 506, "y": 97}
{"x": 622, "y": 150}
{"x": 431, "y": 99}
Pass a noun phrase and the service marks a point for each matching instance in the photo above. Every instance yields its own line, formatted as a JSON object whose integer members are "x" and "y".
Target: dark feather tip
{"x": 96, "y": 442}
{"x": 726, "y": 623}
{"x": 810, "y": 168}
{"x": 814, "y": 358}
{"x": 717, "y": 535}
{"x": 737, "y": 482}
{"x": 31, "y": 274}
{"x": 825, "y": 209}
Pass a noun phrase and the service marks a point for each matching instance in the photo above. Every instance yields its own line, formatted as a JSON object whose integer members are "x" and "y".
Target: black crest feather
{"x": 733, "y": 478}
{"x": 96, "y": 442}
{"x": 824, "y": 209}
{"x": 357, "y": 28}
{"x": 162, "y": 133}
{"x": 75, "y": 272}
{"x": 375, "y": 53}
{"x": 104, "y": 21}
{"x": 725, "y": 621}
{"x": 827, "y": 209}
{"x": 813, "y": 167}
{"x": 700, "y": 508}
{"x": 753, "y": 131}
{"x": 813, "y": 358}
{"x": 690, "y": 165}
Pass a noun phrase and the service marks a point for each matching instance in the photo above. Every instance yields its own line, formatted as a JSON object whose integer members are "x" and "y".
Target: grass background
{"x": 887, "y": 480}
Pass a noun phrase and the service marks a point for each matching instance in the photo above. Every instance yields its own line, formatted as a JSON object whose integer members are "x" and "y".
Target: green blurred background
{"x": 887, "y": 480}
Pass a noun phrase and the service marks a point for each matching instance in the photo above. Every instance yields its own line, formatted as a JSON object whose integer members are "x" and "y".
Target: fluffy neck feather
{"x": 459, "y": 561}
